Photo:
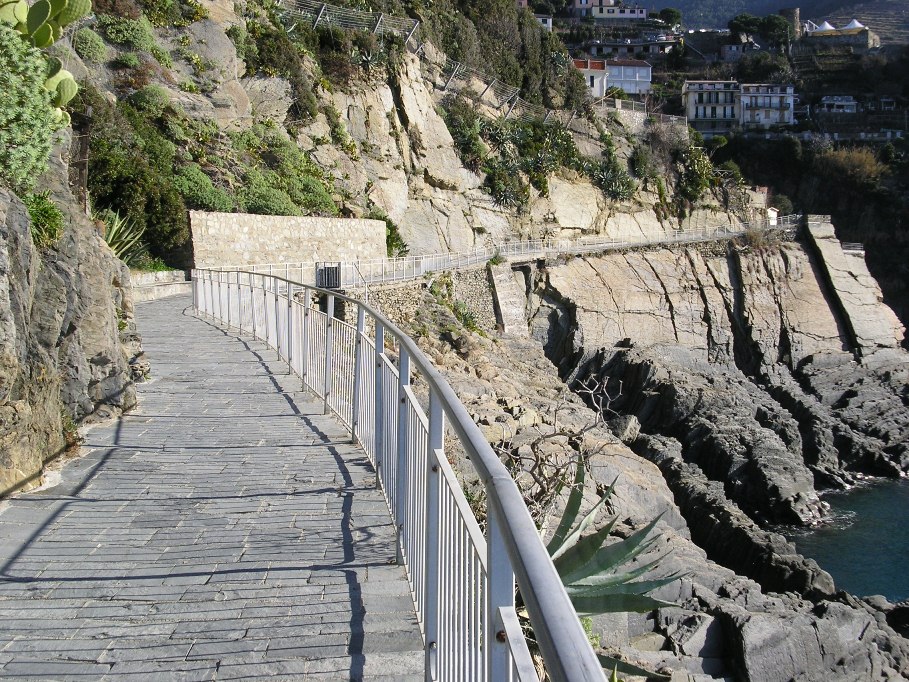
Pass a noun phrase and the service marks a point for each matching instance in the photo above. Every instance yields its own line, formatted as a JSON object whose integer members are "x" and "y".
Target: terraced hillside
{"x": 888, "y": 18}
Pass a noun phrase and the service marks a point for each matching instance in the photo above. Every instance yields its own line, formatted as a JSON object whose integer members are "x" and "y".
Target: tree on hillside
{"x": 745, "y": 24}
{"x": 764, "y": 67}
{"x": 776, "y": 29}
{"x": 671, "y": 16}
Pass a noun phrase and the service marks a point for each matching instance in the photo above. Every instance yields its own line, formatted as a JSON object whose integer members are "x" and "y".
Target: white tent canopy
{"x": 855, "y": 23}
{"x": 826, "y": 26}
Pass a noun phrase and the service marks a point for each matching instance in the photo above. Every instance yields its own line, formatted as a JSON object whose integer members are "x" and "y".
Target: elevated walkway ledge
{"x": 150, "y": 286}
{"x": 225, "y": 530}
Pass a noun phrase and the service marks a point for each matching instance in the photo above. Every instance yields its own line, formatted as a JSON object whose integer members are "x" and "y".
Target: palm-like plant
{"x": 123, "y": 236}
{"x": 594, "y": 574}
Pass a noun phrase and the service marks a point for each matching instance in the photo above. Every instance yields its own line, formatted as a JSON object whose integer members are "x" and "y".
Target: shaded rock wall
{"x": 66, "y": 338}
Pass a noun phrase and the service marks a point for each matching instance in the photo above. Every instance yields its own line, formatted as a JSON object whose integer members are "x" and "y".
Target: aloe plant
{"x": 123, "y": 236}
{"x": 594, "y": 574}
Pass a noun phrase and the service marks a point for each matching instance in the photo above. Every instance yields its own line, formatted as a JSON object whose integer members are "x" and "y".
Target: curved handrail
{"x": 515, "y": 549}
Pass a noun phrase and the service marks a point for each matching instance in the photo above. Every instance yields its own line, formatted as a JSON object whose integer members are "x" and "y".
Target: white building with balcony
{"x": 595, "y": 75}
{"x": 766, "y": 104}
{"x": 631, "y": 75}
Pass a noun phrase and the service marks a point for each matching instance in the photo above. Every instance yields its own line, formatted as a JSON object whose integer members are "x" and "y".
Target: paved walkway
{"x": 222, "y": 531}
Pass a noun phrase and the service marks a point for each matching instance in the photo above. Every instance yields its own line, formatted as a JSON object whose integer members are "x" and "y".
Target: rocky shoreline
{"x": 736, "y": 390}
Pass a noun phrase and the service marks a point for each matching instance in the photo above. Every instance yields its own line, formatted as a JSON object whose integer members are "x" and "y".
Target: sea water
{"x": 866, "y": 545}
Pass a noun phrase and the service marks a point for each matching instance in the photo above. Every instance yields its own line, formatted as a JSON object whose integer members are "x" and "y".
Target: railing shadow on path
{"x": 31, "y": 576}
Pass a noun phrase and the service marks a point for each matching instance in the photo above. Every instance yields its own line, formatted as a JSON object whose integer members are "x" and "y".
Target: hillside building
{"x": 606, "y": 10}
{"x": 595, "y": 74}
{"x": 711, "y": 107}
{"x": 545, "y": 21}
{"x": 630, "y": 48}
{"x": 631, "y": 75}
{"x": 765, "y": 104}
{"x": 838, "y": 104}
{"x": 721, "y": 107}
{"x": 854, "y": 35}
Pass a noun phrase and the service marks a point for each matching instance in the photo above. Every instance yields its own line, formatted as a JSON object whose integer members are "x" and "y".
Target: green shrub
{"x": 131, "y": 171}
{"x": 395, "y": 246}
{"x": 46, "y": 219}
{"x": 173, "y": 12}
{"x": 609, "y": 175}
{"x": 199, "y": 192}
{"x": 27, "y": 121}
{"x": 464, "y": 124}
{"x": 134, "y": 33}
{"x": 152, "y": 100}
{"x": 287, "y": 169}
{"x": 504, "y": 184}
{"x": 90, "y": 46}
{"x": 269, "y": 50}
{"x": 260, "y": 195}
{"x": 127, "y": 60}
{"x": 697, "y": 174}
{"x": 782, "y": 203}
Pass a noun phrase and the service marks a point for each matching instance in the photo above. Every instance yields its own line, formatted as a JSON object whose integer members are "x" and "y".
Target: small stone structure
{"x": 246, "y": 239}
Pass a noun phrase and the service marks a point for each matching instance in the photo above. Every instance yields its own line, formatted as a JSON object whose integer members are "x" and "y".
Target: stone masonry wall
{"x": 245, "y": 239}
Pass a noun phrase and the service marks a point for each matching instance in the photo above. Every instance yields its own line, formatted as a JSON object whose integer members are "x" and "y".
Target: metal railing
{"x": 462, "y": 582}
{"x": 357, "y": 274}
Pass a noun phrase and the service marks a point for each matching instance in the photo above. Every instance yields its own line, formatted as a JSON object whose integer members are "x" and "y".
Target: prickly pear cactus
{"x": 42, "y": 25}
{"x": 72, "y": 11}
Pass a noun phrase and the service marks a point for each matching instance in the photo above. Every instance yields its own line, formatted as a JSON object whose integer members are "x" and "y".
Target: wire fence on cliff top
{"x": 455, "y": 76}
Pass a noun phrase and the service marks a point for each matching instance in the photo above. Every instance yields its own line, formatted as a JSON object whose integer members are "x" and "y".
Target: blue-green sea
{"x": 866, "y": 546}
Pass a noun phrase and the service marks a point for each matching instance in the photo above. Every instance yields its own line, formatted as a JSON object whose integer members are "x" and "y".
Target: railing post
{"x": 401, "y": 468}
{"x": 274, "y": 284}
{"x": 501, "y": 594}
{"x": 290, "y": 328}
{"x": 304, "y": 361}
{"x": 358, "y": 371}
{"x": 379, "y": 426}
{"x": 431, "y": 593}
{"x": 252, "y": 305}
{"x": 329, "y": 338}
{"x": 228, "y": 299}
{"x": 265, "y": 307}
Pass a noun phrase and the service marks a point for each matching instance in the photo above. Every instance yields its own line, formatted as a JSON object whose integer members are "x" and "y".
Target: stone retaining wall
{"x": 246, "y": 239}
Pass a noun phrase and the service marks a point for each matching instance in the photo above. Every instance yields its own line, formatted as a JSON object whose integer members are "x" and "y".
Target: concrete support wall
{"x": 871, "y": 324}
{"x": 246, "y": 239}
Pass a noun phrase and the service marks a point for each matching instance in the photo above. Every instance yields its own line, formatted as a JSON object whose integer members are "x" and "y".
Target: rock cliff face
{"x": 758, "y": 376}
{"x": 725, "y": 625}
{"x": 66, "y": 337}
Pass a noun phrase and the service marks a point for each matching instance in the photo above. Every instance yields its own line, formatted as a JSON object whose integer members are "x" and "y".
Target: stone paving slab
{"x": 225, "y": 530}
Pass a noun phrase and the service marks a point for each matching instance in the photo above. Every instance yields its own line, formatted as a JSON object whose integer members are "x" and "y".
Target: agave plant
{"x": 124, "y": 237}
{"x": 595, "y": 575}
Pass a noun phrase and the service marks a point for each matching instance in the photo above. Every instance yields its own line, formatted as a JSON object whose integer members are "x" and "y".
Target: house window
{"x": 712, "y": 112}
{"x": 591, "y": 81}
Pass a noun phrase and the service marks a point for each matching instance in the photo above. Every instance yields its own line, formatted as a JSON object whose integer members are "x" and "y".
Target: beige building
{"x": 711, "y": 107}
{"x": 720, "y": 107}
